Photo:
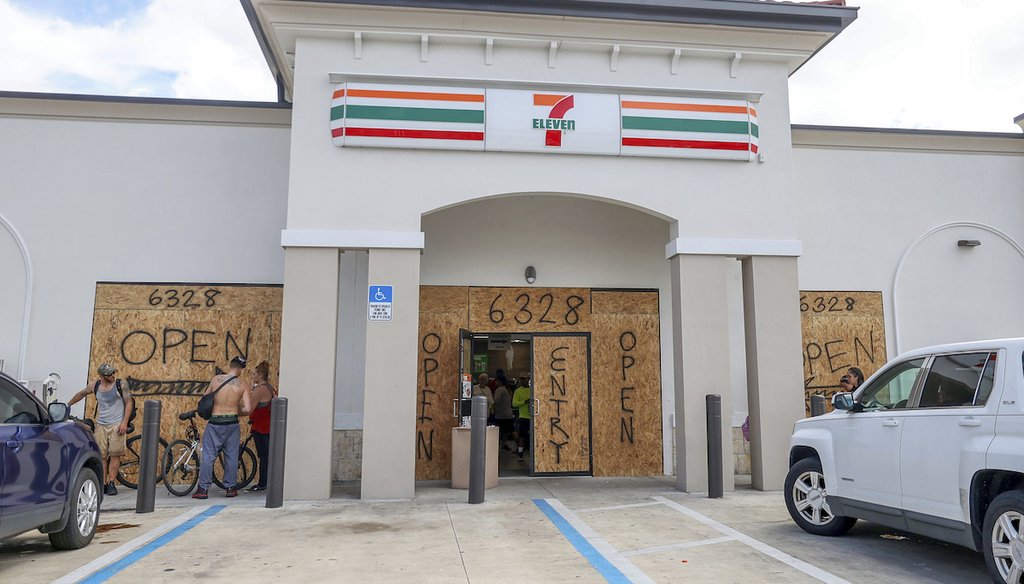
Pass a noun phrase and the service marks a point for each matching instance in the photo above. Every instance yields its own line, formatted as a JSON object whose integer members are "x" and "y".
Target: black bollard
{"x": 146, "y": 498}
{"x": 818, "y": 405}
{"x": 478, "y": 450}
{"x": 714, "y": 412}
{"x": 278, "y": 432}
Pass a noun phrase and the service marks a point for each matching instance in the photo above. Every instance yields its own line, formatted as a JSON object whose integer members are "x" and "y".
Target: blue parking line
{"x": 598, "y": 561}
{"x": 109, "y": 571}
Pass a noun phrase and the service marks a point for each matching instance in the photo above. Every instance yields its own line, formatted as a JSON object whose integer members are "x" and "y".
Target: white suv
{"x": 932, "y": 443}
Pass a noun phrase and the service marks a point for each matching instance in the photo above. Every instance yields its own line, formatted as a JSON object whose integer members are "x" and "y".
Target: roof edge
{"x": 264, "y": 44}
{"x": 741, "y": 13}
{"x": 909, "y": 131}
{"x": 143, "y": 100}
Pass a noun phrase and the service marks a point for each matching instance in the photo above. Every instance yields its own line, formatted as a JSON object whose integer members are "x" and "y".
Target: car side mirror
{"x": 58, "y": 411}
{"x": 842, "y": 401}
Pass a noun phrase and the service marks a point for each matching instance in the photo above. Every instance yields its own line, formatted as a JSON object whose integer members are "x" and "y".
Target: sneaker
{"x": 256, "y": 489}
{"x": 109, "y": 489}
{"x": 200, "y": 494}
{"x": 231, "y": 493}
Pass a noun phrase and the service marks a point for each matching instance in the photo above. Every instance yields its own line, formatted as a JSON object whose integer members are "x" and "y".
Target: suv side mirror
{"x": 58, "y": 411}
{"x": 842, "y": 401}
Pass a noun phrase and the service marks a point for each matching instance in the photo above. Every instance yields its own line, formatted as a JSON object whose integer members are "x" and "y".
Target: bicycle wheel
{"x": 247, "y": 460}
{"x": 246, "y": 466}
{"x": 128, "y": 474}
{"x": 181, "y": 468}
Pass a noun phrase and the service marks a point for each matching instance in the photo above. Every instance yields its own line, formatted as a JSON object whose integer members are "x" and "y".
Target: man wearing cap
{"x": 233, "y": 399}
{"x": 113, "y": 408}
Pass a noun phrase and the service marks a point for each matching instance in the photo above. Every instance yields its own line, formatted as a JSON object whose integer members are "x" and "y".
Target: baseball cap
{"x": 106, "y": 369}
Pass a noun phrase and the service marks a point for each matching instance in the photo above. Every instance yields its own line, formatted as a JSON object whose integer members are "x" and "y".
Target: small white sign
{"x": 379, "y": 303}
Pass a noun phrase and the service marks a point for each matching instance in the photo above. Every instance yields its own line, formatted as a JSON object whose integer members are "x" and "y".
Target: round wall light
{"x": 531, "y": 274}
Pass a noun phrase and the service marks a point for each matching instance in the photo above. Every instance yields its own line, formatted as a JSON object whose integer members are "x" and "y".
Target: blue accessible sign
{"x": 379, "y": 305}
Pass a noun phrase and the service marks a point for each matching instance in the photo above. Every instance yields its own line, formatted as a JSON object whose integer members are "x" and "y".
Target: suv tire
{"x": 84, "y": 513}
{"x": 1001, "y": 535}
{"x": 805, "y": 499}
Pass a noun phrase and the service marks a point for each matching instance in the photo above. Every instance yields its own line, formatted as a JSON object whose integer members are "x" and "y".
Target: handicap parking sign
{"x": 379, "y": 303}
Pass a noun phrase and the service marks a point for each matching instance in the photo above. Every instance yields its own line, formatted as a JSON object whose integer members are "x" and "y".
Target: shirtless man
{"x": 233, "y": 400}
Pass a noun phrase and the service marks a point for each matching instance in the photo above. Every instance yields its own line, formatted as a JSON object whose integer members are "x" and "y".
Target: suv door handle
{"x": 891, "y": 423}
{"x": 15, "y": 445}
{"x": 970, "y": 422}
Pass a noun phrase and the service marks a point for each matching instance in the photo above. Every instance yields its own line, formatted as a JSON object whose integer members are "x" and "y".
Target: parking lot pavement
{"x": 528, "y": 530}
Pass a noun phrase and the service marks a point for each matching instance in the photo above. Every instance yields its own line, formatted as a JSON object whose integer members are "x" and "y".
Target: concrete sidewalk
{"x": 576, "y": 529}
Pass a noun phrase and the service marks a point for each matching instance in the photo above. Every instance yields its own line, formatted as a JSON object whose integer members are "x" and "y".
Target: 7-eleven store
{"x": 636, "y": 157}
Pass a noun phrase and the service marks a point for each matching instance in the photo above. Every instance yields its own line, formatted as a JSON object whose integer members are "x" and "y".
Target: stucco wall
{"x": 361, "y": 188}
{"x": 130, "y": 192}
{"x": 865, "y": 198}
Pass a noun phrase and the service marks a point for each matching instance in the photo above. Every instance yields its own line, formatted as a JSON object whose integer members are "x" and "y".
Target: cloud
{"x": 951, "y": 65}
{"x": 936, "y": 64}
{"x": 200, "y": 49}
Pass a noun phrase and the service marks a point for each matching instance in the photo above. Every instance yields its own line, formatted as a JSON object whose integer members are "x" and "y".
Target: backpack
{"x": 205, "y": 407}
{"x": 120, "y": 393}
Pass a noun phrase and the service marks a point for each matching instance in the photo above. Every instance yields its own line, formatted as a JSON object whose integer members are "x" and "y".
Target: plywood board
{"x": 624, "y": 302}
{"x": 561, "y": 390}
{"x": 840, "y": 330}
{"x": 443, "y": 311}
{"x": 529, "y": 310}
{"x": 627, "y": 431}
{"x": 168, "y": 340}
{"x": 444, "y": 299}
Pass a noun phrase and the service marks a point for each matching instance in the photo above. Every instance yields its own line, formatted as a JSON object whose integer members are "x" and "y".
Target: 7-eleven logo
{"x": 555, "y": 123}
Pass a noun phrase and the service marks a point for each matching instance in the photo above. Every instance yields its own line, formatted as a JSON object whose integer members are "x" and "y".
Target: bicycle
{"x": 128, "y": 474}
{"x": 181, "y": 462}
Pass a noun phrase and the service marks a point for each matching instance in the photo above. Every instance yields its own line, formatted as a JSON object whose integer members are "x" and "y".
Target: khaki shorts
{"x": 111, "y": 443}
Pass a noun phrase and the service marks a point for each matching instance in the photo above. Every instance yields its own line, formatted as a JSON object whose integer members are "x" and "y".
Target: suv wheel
{"x": 805, "y": 499}
{"x": 85, "y": 511}
{"x": 1003, "y": 536}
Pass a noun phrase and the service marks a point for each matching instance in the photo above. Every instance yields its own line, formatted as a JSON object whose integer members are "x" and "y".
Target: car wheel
{"x": 1003, "y": 538}
{"x": 85, "y": 513}
{"x": 805, "y": 499}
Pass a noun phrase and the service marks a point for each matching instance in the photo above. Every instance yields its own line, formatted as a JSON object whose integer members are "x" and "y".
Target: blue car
{"x": 49, "y": 470}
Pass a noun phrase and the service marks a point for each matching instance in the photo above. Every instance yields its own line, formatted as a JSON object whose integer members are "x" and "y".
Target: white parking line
{"x": 607, "y": 560}
{"x": 811, "y": 570}
{"x": 614, "y": 507}
{"x": 676, "y": 546}
{"x": 122, "y": 551}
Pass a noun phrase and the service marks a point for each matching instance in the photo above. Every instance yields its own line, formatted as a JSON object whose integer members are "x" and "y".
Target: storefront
{"x": 607, "y": 197}
{"x": 433, "y": 110}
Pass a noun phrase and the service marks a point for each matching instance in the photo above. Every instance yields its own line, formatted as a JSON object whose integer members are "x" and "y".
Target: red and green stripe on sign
{"x": 408, "y": 116}
{"x": 688, "y": 127}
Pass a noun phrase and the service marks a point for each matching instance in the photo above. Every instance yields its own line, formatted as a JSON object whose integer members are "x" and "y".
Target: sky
{"x": 921, "y": 64}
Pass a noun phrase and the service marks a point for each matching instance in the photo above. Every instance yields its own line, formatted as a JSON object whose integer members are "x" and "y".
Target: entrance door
{"x": 464, "y": 407}
{"x": 561, "y": 404}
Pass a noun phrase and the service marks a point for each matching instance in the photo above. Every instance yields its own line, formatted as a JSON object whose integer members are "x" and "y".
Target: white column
{"x": 308, "y": 339}
{"x": 389, "y": 403}
{"x": 700, "y": 331}
{"x": 775, "y": 395}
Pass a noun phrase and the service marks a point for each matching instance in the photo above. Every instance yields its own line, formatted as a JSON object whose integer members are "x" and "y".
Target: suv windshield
{"x": 892, "y": 389}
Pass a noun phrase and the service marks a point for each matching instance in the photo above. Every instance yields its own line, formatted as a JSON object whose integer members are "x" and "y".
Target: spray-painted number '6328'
{"x": 184, "y": 298}
{"x": 542, "y": 310}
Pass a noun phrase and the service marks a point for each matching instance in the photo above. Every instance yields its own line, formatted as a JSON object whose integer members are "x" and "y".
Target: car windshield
{"x": 891, "y": 390}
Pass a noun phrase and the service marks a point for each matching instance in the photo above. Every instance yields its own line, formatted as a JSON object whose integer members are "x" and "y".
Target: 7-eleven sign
{"x": 555, "y": 123}
{"x": 552, "y": 121}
